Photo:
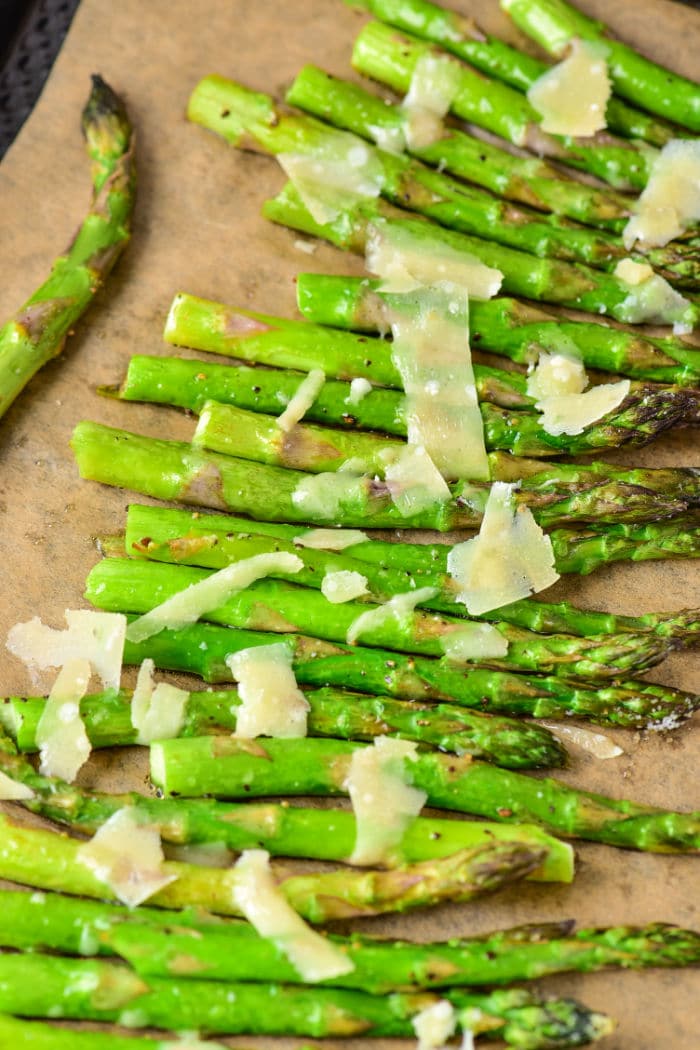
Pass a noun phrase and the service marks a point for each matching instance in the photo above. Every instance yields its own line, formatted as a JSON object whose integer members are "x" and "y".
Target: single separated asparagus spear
{"x": 38, "y": 985}
{"x": 549, "y": 280}
{"x": 251, "y": 120}
{"x": 174, "y": 470}
{"x": 194, "y": 538}
{"x": 39, "y": 329}
{"x": 226, "y": 768}
{"x": 50, "y": 860}
{"x": 155, "y": 943}
{"x": 463, "y": 38}
{"x": 133, "y": 585}
{"x": 19, "y": 1034}
{"x": 202, "y": 649}
{"x": 507, "y": 327}
{"x": 554, "y": 23}
{"x": 390, "y": 57}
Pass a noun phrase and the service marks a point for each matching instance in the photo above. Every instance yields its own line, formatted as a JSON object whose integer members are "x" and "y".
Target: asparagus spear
{"x": 553, "y": 23}
{"x": 505, "y": 326}
{"x": 188, "y": 384}
{"x": 35, "y": 1035}
{"x": 226, "y": 768}
{"x": 193, "y": 538}
{"x": 528, "y": 180}
{"x": 155, "y": 943}
{"x": 584, "y": 550}
{"x": 250, "y": 120}
{"x": 126, "y": 585}
{"x": 40, "y": 327}
{"x": 203, "y": 648}
{"x": 39, "y": 985}
{"x": 390, "y": 57}
{"x": 333, "y": 712}
{"x": 49, "y": 860}
{"x": 549, "y": 280}
{"x": 173, "y": 470}
{"x": 463, "y": 38}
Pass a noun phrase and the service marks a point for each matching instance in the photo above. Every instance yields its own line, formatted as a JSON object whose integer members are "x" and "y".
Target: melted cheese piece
{"x": 190, "y": 604}
{"x": 341, "y": 166}
{"x": 558, "y": 383}
{"x": 157, "y": 711}
{"x": 259, "y": 899}
{"x": 12, "y": 791}
{"x": 474, "y": 641}
{"x": 271, "y": 702}
{"x": 556, "y": 375}
{"x": 597, "y": 744}
{"x": 509, "y": 559}
{"x": 331, "y": 539}
{"x": 414, "y": 482}
{"x": 323, "y": 496}
{"x": 651, "y": 299}
{"x": 434, "y": 1025}
{"x": 94, "y": 636}
{"x": 405, "y": 263}
{"x": 572, "y": 96}
{"x": 670, "y": 202}
{"x": 343, "y": 586}
{"x": 63, "y": 743}
{"x": 398, "y": 608}
{"x": 359, "y": 388}
{"x": 127, "y": 857}
{"x": 383, "y": 803}
{"x": 433, "y": 87}
{"x": 304, "y": 397}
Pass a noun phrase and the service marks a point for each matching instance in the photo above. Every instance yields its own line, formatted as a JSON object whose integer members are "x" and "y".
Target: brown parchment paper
{"x": 198, "y": 228}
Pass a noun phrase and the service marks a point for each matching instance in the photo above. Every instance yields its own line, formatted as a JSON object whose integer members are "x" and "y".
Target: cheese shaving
{"x": 670, "y": 201}
{"x": 343, "y": 586}
{"x": 60, "y": 733}
{"x": 331, "y": 539}
{"x": 556, "y": 375}
{"x": 414, "y": 482}
{"x": 94, "y": 636}
{"x": 271, "y": 702}
{"x": 157, "y": 711}
{"x": 434, "y": 1025}
{"x": 434, "y": 85}
{"x": 12, "y": 791}
{"x": 127, "y": 857}
{"x": 651, "y": 299}
{"x": 474, "y": 641}
{"x": 383, "y": 803}
{"x": 572, "y": 96}
{"x": 558, "y": 384}
{"x": 260, "y": 900}
{"x": 324, "y": 496}
{"x": 399, "y": 608}
{"x": 597, "y": 744}
{"x": 510, "y": 558}
{"x": 359, "y": 388}
{"x": 304, "y": 397}
{"x": 194, "y": 601}
{"x": 341, "y": 166}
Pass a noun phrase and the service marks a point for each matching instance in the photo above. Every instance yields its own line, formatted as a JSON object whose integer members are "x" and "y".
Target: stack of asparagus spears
{"x": 556, "y": 240}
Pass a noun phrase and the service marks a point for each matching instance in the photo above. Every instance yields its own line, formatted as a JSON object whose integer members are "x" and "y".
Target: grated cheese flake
{"x": 414, "y": 482}
{"x": 474, "y": 641}
{"x": 398, "y": 608}
{"x": 558, "y": 384}
{"x": 331, "y": 539}
{"x": 343, "y": 586}
{"x": 434, "y": 1025}
{"x": 12, "y": 790}
{"x": 63, "y": 743}
{"x": 304, "y": 397}
{"x": 324, "y": 496}
{"x": 341, "y": 166}
{"x": 127, "y": 857}
{"x": 598, "y": 744}
{"x": 572, "y": 96}
{"x": 157, "y": 711}
{"x": 670, "y": 201}
{"x": 271, "y": 702}
{"x": 433, "y": 87}
{"x": 651, "y": 299}
{"x": 94, "y": 636}
{"x": 359, "y": 388}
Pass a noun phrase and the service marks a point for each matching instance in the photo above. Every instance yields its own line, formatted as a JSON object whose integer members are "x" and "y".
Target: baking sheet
{"x": 198, "y": 228}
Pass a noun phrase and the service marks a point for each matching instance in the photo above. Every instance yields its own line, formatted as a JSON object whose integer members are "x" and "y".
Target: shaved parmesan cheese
{"x": 434, "y": 1025}
{"x": 12, "y": 791}
{"x": 670, "y": 202}
{"x": 390, "y": 139}
{"x": 414, "y": 482}
{"x": 189, "y": 604}
{"x": 271, "y": 702}
{"x": 434, "y": 84}
{"x": 331, "y": 539}
{"x": 304, "y": 397}
{"x": 572, "y": 96}
{"x": 558, "y": 383}
{"x": 307, "y": 247}
{"x": 342, "y": 166}
{"x": 259, "y": 899}
{"x": 399, "y": 608}
{"x": 157, "y": 712}
{"x": 651, "y": 298}
{"x": 406, "y": 262}
{"x": 556, "y": 375}
{"x": 60, "y": 733}
{"x": 324, "y": 496}
{"x": 598, "y": 744}
{"x": 509, "y": 559}
{"x": 383, "y": 803}
{"x": 127, "y": 857}
{"x": 359, "y": 388}
{"x": 474, "y": 641}
{"x": 343, "y": 586}
{"x": 94, "y": 636}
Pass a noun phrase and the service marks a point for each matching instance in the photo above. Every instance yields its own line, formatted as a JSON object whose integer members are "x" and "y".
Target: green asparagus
{"x": 19, "y": 1034}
